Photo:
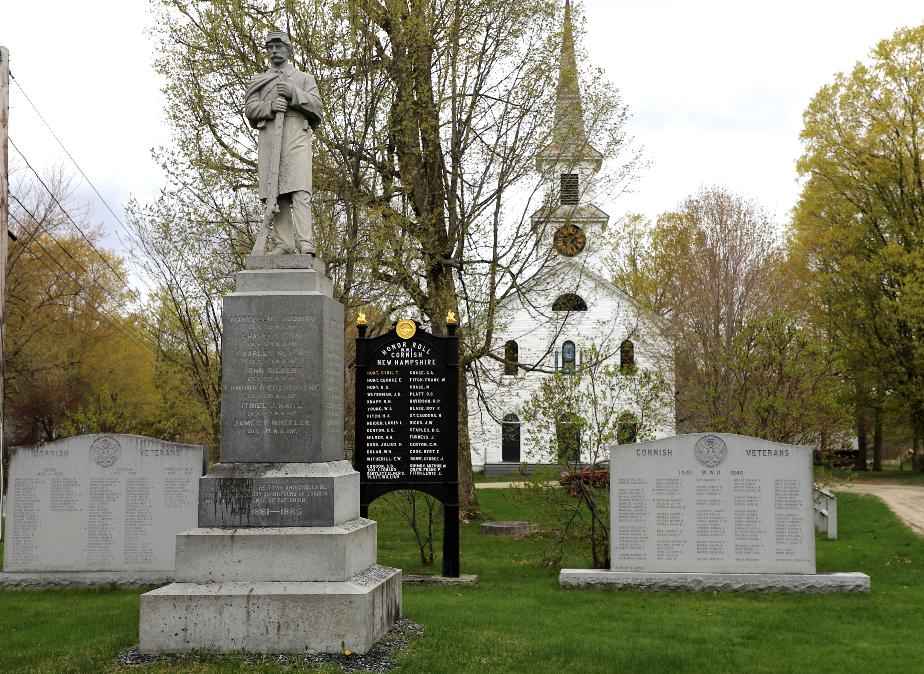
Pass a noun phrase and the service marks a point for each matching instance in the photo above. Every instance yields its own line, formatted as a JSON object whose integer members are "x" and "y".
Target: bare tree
{"x": 435, "y": 113}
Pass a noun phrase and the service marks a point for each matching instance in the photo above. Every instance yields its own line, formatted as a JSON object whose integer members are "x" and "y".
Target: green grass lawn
{"x": 518, "y": 620}
{"x": 888, "y": 475}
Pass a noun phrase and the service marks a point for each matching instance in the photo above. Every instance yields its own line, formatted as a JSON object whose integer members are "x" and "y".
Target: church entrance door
{"x": 510, "y": 439}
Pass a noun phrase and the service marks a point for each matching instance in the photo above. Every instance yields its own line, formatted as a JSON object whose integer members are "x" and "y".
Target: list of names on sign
{"x": 267, "y": 392}
{"x": 712, "y": 503}
{"x": 407, "y": 411}
{"x": 100, "y": 503}
{"x": 407, "y": 407}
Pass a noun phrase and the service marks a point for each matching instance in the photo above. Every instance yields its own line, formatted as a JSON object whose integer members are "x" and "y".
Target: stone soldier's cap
{"x": 274, "y": 35}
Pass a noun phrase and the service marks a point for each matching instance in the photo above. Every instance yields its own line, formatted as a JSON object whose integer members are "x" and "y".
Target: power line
{"x": 68, "y": 216}
{"x": 117, "y": 323}
{"x": 71, "y": 157}
{"x": 132, "y": 235}
{"x": 19, "y": 252}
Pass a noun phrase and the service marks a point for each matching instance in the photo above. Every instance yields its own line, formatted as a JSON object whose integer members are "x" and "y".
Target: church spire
{"x": 569, "y": 112}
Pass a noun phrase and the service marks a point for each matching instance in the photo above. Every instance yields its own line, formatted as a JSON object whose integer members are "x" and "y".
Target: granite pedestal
{"x": 281, "y": 561}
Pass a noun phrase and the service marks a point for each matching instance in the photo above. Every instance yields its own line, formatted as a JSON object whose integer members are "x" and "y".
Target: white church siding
{"x": 610, "y": 318}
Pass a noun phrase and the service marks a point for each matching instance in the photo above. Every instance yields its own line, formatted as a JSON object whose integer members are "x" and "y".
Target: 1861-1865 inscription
{"x": 407, "y": 420}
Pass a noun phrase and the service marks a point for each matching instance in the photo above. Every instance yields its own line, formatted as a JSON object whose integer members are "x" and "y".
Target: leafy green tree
{"x": 72, "y": 335}
{"x": 746, "y": 361}
{"x": 572, "y": 420}
{"x": 860, "y": 222}
{"x": 782, "y": 385}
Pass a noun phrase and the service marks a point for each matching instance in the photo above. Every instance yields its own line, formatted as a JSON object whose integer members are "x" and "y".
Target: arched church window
{"x": 511, "y": 357}
{"x": 569, "y": 302}
{"x": 627, "y": 357}
{"x": 569, "y": 189}
{"x": 568, "y": 355}
{"x": 510, "y": 438}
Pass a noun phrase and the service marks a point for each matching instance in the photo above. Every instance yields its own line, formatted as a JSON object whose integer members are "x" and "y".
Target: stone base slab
{"x": 508, "y": 528}
{"x": 283, "y": 280}
{"x": 279, "y": 495}
{"x": 299, "y": 261}
{"x": 821, "y": 583}
{"x": 214, "y": 555}
{"x": 424, "y": 579}
{"x": 51, "y": 580}
{"x": 325, "y": 617}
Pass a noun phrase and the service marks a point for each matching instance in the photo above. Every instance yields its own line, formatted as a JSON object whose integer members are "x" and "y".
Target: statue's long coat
{"x": 303, "y": 115}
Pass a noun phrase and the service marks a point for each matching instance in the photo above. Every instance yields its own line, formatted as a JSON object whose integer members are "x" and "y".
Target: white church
{"x": 570, "y": 307}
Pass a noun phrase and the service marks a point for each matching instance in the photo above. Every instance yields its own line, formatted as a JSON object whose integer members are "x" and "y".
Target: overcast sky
{"x": 716, "y": 88}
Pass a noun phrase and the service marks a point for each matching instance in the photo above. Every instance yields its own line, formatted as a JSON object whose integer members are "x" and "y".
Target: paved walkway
{"x": 906, "y": 501}
{"x": 497, "y": 485}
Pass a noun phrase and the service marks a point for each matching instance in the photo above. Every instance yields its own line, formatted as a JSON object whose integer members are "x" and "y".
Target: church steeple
{"x": 569, "y": 143}
{"x": 569, "y": 163}
{"x": 569, "y": 112}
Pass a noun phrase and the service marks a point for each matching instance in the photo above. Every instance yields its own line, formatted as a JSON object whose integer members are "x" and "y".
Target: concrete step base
{"x": 272, "y": 617}
{"x": 293, "y": 554}
{"x": 507, "y": 468}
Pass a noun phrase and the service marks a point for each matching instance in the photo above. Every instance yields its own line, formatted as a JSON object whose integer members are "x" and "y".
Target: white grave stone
{"x": 99, "y": 503}
{"x": 712, "y": 511}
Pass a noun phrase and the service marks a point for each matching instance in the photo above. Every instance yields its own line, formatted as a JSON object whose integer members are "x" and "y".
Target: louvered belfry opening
{"x": 569, "y": 189}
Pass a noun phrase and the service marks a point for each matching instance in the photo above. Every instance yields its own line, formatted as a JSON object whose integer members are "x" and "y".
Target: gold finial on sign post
{"x": 452, "y": 323}
{"x": 361, "y": 319}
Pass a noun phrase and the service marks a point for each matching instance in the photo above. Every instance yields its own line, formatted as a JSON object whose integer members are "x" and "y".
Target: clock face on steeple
{"x": 570, "y": 240}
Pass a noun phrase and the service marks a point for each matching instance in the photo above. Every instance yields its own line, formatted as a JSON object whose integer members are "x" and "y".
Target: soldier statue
{"x": 284, "y": 104}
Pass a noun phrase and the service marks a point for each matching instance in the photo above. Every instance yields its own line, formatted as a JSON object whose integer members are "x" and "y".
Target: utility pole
{"x": 4, "y": 230}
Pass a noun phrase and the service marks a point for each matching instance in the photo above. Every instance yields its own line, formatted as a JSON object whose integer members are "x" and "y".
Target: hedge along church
{"x": 570, "y": 308}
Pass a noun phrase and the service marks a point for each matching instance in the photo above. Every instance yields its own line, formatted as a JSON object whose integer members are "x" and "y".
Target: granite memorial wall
{"x": 712, "y": 503}
{"x": 100, "y": 503}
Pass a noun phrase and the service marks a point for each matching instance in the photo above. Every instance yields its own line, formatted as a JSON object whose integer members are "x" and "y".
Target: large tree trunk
{"x": 468, "y": 501}
{"x": 862, "y": 453}
{"x": 877, "y": 440}
{"x": 917, "y": 460}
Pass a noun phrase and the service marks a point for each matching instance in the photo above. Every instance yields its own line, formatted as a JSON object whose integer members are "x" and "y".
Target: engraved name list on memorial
{"x": 78, "y": 510}
{"x": 748, "y": 510}
{"x": 266, "y": 392}
{"x": 405, "y": 410}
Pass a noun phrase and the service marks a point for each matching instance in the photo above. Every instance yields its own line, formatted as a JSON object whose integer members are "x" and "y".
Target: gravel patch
{"x": 380, "y": 658}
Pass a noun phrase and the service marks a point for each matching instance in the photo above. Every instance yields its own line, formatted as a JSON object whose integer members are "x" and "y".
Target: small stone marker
{"x": 507, "y": 528}
{"x": 713, "y": 511}
{"x": 99, "y": 503}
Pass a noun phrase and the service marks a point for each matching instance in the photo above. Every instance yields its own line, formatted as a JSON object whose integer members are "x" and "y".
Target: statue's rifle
{"x": 272, "y": 192}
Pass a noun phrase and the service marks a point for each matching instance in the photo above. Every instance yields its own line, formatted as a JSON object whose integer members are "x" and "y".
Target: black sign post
{"x": 407, "y": 432}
